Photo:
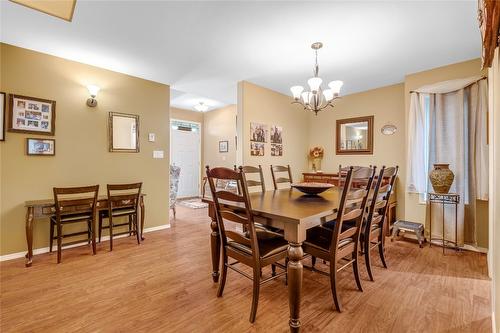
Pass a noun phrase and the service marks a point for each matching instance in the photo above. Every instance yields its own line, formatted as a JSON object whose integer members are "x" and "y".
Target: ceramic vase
{"x": 441, "y": 178}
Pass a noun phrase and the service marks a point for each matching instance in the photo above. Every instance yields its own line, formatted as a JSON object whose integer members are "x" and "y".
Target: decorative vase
{"x": 316, "y": 164}
{"x": 441, "y": 178}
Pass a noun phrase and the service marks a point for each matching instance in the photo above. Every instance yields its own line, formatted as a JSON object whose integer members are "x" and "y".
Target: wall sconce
{"x": 93, "y": 90}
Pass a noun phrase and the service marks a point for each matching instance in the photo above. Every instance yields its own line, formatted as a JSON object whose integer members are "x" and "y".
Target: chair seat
{"x": 321, "y": 237}
{"x": 268, "y": 245}
{"x": 72, "y": 217}
{"x": 119, "y": 212}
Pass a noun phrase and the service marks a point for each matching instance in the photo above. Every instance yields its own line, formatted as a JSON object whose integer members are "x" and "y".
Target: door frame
{"x": 200, "y": 153}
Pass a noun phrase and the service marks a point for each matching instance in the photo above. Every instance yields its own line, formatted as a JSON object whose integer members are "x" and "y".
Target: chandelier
{"x": 317, "y": 99}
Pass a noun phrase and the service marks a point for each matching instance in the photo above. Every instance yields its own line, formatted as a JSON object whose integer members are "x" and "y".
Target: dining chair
{"x": 248, "y": 248}
{"x": 175, "y": 172}
{"x": 373, "y": 234}
{"x": 73, "y": 205}
{"x": 279, "y": 169}
{"x": 123, "y": 201}
{"x": 252, "y": 183}
{"x": 340, "y": 243}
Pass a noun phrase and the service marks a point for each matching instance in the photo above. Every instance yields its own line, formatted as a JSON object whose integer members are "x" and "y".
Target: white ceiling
{"x": 204, "y": 48}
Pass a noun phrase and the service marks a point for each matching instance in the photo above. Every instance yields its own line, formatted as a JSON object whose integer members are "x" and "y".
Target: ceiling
{"x": 202, "y": 49}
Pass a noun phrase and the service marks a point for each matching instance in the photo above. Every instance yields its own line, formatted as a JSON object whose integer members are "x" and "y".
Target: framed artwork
{"x": 276, "y": 149}
{"x": 276, "y": 134}
{"x": 2, "y": 116}
{"x": 258, "y": 132}
{"x": 223, "y": 146}
{"x": 355, "y": 136}
{"x": 256, "y": 149}
{"x": 32, "y": 115}
{"x": 40, "y": 147}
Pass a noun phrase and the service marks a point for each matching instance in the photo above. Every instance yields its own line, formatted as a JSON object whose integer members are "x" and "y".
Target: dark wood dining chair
{"x": 123, "y": 202}
{"x": 248, "y": 248}
{"x": 73, "y": 205}
{"x": 280, "y": 180}
{"x": 252, "y": 183}
{"x": 341, "y": 244}
{"x": 373, "y": 234}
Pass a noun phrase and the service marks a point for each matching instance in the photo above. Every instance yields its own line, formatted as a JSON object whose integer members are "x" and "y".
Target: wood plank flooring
{"x": 164, "y": 285}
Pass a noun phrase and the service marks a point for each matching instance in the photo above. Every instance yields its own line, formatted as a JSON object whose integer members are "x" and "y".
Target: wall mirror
{"x": 355, "y": 136}
{"x": 123, "y": 132}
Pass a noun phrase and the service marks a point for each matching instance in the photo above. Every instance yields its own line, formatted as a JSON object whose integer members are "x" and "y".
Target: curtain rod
{"x": 481, "y": 78}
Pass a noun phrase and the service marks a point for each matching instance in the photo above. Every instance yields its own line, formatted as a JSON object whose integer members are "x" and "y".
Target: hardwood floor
{"x": 164, "y": 285}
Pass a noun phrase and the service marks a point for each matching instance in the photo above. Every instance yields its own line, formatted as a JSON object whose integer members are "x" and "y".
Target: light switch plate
{"x": 151, "y": 137}
{"x": 157, "y": 153}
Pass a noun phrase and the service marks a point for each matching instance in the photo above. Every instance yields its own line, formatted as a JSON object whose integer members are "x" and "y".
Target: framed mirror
{"x": 123, "y": 132}
{"x": 355, "y": 136}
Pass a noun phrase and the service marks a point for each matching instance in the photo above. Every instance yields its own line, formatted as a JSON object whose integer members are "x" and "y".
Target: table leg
{"x": 430, "y": 224}
{"x": 30, "y": 213}
{"x": 143, "y": 212}
{"x": 443, "y": 229}
{"x": 215, "y": 246}
{"x": 456, "y": 227}
{"x": 295, "y": 271}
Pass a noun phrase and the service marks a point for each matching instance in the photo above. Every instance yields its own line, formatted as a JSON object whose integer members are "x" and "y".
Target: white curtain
{"x": 447, "y": 124}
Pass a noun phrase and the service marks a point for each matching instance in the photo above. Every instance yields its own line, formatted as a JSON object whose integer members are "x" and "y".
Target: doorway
{"x": 185, "y": 152}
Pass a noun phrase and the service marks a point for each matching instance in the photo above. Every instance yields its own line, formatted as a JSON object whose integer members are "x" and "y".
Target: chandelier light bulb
{"x": 335, "y": 86}
{"x": 296, "y": 91}
{"x": 328, "y": 93}
{"x": 305, "y": 97}
{"x": 314, "y": 83}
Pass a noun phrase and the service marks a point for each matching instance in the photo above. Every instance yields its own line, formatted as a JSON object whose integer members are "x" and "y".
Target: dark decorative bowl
{"x": 312, "y": 188}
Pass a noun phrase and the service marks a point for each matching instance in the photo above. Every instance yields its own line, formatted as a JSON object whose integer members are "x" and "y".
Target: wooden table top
{"x": 292, "y": 205}
{"x": 50, "y": 202}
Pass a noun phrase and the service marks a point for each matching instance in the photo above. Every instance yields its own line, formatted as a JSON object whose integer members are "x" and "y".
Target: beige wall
{"x": 386, "y": 104}
{"x": 81, "y": 135}
{"x": 494, "y": 212}
{"x": 414, "y": 211}
{"x": 258, "y": 104}
{"x": 219, "y": 125}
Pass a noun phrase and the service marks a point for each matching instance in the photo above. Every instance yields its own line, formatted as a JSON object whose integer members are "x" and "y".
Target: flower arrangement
{"x": 316, "y": 152}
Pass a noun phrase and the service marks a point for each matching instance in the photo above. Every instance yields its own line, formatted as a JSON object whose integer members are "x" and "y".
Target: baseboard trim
{"x": 493, "y": 322}
{"x": 467, "y": 247}
{"x": 42, "y": 250}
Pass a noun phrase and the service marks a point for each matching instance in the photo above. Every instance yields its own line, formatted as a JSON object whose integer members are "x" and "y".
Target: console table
{"x": 39, "y": 209}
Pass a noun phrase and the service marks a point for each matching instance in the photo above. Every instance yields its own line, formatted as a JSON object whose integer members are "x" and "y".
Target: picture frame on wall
{"x": 40, "y": 147}
{"x": 32, "y": 115}
{"x": 223, "y": 146}
{"x": 3, "y": 96}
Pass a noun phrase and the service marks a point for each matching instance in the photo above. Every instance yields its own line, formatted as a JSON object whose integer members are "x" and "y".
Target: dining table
{"x": 291, "y": 211}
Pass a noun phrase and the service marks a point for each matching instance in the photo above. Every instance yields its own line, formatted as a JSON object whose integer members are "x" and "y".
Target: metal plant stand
{"x": 444, "y": 199}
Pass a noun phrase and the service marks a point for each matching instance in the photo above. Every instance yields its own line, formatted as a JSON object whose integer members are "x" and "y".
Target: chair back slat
{"x": 352, "y": 205}
{"x": 241, "y": 216}
{"x": 123, "y": 196}
{"x": 75, "y": 200}
{"x": 281, "y": 179}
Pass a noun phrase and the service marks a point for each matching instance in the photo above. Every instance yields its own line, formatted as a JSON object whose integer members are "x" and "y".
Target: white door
{"x": 185, "y": 151}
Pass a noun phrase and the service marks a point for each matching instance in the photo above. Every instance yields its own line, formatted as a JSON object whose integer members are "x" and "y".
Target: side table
{"x": 443, "y": 200}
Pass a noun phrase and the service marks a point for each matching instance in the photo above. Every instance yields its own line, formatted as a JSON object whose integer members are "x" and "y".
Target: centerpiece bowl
{"x": 312, "y": 188}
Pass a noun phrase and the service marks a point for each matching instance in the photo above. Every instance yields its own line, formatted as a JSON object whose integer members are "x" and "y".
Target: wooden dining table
{"x": 43, "y": 209}
{"x": 293, "y": 212}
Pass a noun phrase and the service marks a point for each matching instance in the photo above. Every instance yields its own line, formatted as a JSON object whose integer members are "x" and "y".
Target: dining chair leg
{"x": 100, "y": 227}
{"x": 255, "y": 296}
{"x": 381, "y": 252}
{"x": 92, "y": 231}
{"x": 313, "y": 261}
{"x": 89, "y": 231}
{"x": 130, "y": 217}
{"x": 174, "y": 211}
{"x": 110, "y": 233}
{"x": 222, "y": 279}
{"x": 368, "y": 260}
{"x": 273, "y": 269}
{"x": 333, "y": 285}
{"x": 51, "y": 241}
{"x": 136, "y": 225}
{"x": 355, "y": 268}
{"x": 59, "y": 242}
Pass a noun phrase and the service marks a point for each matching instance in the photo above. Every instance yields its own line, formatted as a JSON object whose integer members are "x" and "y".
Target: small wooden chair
{"x": 251, "y": 183}
{"x": 250, "y": 248}
{"x": 123, "y": 201}
{"x": 279, "y": 180}
{"x": 373, "y": 234}
{"x": 74, "y": 205}
{"x": 342, "y": 243}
